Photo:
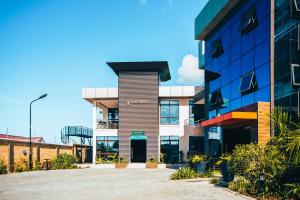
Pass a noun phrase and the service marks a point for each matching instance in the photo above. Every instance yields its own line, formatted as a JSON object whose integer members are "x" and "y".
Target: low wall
{"x": 13, "y": 151}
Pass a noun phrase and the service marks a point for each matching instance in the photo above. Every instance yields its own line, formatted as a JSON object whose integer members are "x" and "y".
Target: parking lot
{"x": 108, "y": 184}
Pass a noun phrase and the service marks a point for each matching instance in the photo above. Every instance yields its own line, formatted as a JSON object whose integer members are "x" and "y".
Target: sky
{"x": 59, "y": 47}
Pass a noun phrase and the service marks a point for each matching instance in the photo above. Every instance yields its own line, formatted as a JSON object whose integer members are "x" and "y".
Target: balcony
{"x": 192, "y": 122}
{"x": 107, "y": 124}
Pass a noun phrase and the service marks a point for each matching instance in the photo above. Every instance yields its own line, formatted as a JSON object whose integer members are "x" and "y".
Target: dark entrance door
{"x": 138, "y": 150}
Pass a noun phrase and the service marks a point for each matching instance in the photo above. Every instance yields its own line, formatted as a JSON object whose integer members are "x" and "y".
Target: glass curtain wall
{"x": 287, "y": 55}
{"x": 239, "y": 51}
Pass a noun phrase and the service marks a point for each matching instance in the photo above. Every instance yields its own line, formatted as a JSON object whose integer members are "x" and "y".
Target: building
{"x": 21, "y": 138}
{"x": 140, "y": 119}
{"x": 249, "y": 50}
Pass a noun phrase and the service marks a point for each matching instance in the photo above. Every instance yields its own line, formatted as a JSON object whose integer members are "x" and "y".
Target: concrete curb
{"x": 237, "y": 194}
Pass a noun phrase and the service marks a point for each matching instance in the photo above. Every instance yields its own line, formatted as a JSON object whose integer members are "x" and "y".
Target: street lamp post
{"x": 30, "y": 144}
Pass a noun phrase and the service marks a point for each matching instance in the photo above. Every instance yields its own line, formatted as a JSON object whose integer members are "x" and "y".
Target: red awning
{"x": 231, "y": 118}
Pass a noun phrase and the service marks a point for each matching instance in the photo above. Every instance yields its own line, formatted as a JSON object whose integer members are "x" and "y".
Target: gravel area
{"x": 108, "y": 184}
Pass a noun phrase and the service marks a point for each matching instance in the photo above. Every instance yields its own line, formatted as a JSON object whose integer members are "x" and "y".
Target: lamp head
{"x": 43, "y": 96}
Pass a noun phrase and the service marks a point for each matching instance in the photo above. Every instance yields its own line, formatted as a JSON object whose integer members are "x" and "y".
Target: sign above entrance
{"x": 137, "y": 133}
{"x": 137, "y": 101}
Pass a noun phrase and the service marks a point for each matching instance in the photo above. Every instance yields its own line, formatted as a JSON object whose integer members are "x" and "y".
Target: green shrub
{"x": 111, "y": 159}
{"x": 162, "y": 158}
{"x": 184, "y": 173}
{"x": 3, "y": 167}
{"x": 198, "y": 158}
{"x": 215, "y": 181}
{"x": 21, "y": 166}
{"x": 293, "y": 191}
{"x": 241, "y": 185}
{"x": 152, "y": 160}
{"x": 122, "y": 160}
{"x": 64, "y": 161}
{"x": 37, "y": 165}
{"x": 251, "y": 161}
{"x": 207, "y": 174}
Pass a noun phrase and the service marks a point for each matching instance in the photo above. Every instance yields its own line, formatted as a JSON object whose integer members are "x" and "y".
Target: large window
{"x": 169, "y": 112}
{"x": 169, "y": 147}
{"x": 107, "y": 146}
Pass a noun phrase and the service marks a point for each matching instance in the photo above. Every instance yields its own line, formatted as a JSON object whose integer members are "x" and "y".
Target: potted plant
{"x": 227, "y": 174}
{"x": 121, "y": 163}
{"x": 199, "y": 163}
{"x": 151, "y": 163}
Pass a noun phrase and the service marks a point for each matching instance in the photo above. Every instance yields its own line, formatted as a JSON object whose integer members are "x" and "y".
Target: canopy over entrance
{"x": 231, "y": 118}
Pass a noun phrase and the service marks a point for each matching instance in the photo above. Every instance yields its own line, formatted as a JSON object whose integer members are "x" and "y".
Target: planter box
{"x": 227, "y": 175}
{"x": 201, "y": 167}
{"x": 151, "y": 165}
{"x": 121, "y": 165}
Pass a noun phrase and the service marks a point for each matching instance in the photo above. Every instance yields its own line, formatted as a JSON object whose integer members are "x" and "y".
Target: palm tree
{"x": 287, "y": 134}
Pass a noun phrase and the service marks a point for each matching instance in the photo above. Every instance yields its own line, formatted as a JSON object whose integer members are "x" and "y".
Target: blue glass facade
{"x": 239, "y": 49}
{"x": 287, "y": 54}
{"x": 243, "y": 53}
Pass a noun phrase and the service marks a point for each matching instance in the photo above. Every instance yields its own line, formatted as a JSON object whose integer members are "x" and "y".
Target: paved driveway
{"x": 106, "y": 184}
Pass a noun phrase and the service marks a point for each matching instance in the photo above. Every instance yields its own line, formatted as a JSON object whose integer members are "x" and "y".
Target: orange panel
{"x": 244, "y": 115}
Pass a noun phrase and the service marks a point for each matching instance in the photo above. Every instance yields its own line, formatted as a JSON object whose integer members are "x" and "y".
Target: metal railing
{"x": 192, "y": 122}
{"x": 107, "y": 125}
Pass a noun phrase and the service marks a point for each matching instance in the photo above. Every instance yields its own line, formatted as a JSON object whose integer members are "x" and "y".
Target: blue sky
{"x": 60, "y": 46}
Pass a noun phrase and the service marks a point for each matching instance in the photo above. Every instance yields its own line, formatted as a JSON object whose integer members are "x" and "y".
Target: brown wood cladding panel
{"x": 142, "y": 117}
{"x": 263, "y": 122}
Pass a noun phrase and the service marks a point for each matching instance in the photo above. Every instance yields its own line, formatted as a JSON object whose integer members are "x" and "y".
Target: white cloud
{"x": 143, "y": 1}
{"x": 189, "y": 70}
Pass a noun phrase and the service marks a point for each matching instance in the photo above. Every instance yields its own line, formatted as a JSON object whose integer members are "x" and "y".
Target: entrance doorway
{"x": 138, "y": 150}
{"x": 235, "y": 136}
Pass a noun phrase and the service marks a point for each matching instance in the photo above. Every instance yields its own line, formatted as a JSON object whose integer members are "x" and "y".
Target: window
{"x": 191, "y": 114}
{"x": 196, "y": 145}
{"x": 248, "y": 83}
{"x": 296, "y": 8}
{"x": 107, "y": 146}
{"x": 216, "y": 99}
{"x": 169, "y": 112}
{"x": 169, "y": 147}
{"x": 248, "y": 21}
{"x": 113, "y": 114}
{"x": 296, "y": 75}
{"x": 217, "y": 48}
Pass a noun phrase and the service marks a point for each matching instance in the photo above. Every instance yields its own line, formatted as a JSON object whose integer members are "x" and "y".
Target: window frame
{"x": 219, "y": 97}
{"x": 251, "y": 15}
{"x": 293, "y": 80}
{"x": 253, "y": 86}
{"x": 169, "y": 117}
{"x": 168, "y": 142}
{"x": 217, "y": 48}
{"x": 295, "y": 9}
{"x": 106, "y": 140}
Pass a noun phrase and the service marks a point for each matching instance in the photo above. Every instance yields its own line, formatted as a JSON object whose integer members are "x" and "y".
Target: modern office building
{"x": 249, "y": 50}
{"x": 140, "y": 119}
